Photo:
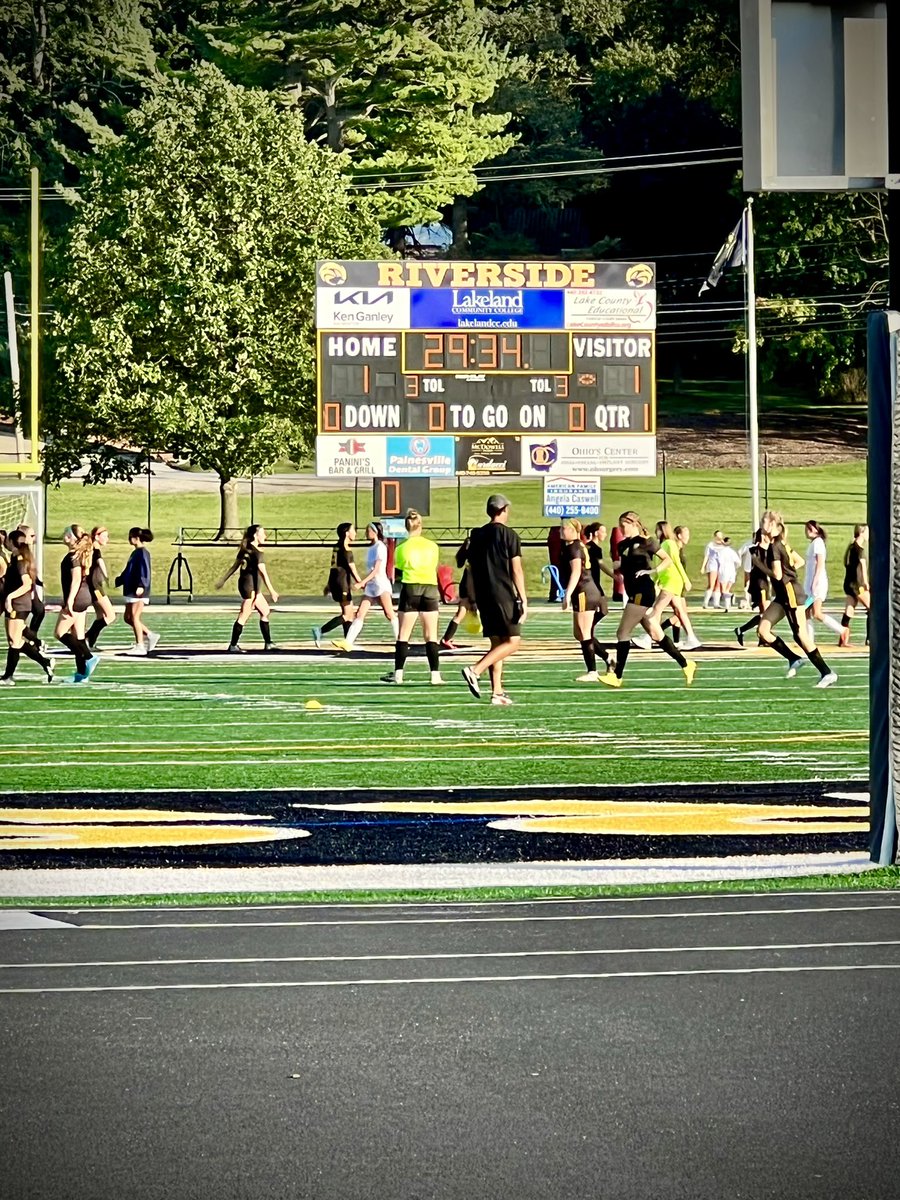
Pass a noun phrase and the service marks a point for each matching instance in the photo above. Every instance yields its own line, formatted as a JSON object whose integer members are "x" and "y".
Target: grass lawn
{"x": 216, "y": 722}
{"x": 704, "y": 500}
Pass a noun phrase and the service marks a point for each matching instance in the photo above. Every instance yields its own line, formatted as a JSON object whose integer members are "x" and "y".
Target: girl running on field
{"x": 252, "y": 578}
{"x": 417, "y": 558}
{"x": 759, "y": 588}
{"x": 580, "y": 595}
{"x": 856, "y": 581}
{"x": 135, "y": 583}
{"x": 673, "y": 582}
{"x": 727, "y": 562}
{"x": 637, "y": 552}
{"x": 98, "y": 578}
{"x": 16, "y": 594}
{"x": 788, "y": 601}
{"x": 465, "y": 605}
{"x": 710, "y": 568}
{"x": 76, "y": 600}
{"x": 815, "y": 581}
{"x": 341, "y": 578}
{"x": 376, "y": 587}
{"x": 38, "y": 611}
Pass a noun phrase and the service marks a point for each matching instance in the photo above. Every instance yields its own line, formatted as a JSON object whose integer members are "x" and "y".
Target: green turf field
{"x": 211, "y": 721}
{"x": 705, "y": 500}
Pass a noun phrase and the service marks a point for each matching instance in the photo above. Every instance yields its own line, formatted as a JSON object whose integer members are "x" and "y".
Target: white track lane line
{"x": 439, "y": 957}
{"x": 502, "y": 920}
{"x": 465, "y": 904}
{"x": 257, "y": 985}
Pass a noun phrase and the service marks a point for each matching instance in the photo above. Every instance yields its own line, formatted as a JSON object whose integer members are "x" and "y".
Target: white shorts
{"x": 136, "y": 599}
{"x": 377, "y": 587}
{"x": 724, "y": 577}
{"x": 819, "y": 593}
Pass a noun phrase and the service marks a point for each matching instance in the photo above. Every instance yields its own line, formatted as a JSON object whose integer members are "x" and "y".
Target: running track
{"x": 712, "y": 1046}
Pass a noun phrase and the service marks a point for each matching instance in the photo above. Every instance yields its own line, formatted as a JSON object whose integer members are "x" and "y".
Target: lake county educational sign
{"x": 571, "y": 496}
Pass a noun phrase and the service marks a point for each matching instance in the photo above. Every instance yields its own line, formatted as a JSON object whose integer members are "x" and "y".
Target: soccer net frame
{"x": 22, "y": 503}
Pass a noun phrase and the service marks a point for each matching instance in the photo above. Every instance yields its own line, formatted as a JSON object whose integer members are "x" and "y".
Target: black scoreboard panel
{"x": 459, "y": 381}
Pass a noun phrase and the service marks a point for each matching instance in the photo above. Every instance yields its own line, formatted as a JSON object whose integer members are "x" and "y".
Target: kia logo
{"x": 364, "y": 297}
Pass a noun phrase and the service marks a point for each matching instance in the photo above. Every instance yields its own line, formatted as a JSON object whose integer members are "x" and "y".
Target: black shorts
{"x": 789, "y": 596}
{"x": 852, "y": 588}
{"x": 21, "y": 608}
{"x": 500, "y": 620}
{"x": 643, "y": 592}
{"x": 759, "y": 597}
{"x": 585, "y": 600}
{"x": 246, "y": 588}
{"x": 83, "y": 600}
{"x": 419, "y": 597}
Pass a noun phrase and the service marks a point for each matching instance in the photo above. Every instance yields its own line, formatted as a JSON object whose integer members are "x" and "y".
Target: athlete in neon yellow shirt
{"x": 673, "y": 582}
{"x": 417, "y": 558}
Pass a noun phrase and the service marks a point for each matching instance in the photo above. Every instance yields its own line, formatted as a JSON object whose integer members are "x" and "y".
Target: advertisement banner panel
{"x": 362, "y": 308}
{"x": 488, "y": 456}
{"x": 354, "y": 457}
{"x": 611, "y": 308}
{"x": 571, "y": 496}
{"x": 600, "y": 455}
{"x": 486, "y": 308}
{"x": 433, "y": 457}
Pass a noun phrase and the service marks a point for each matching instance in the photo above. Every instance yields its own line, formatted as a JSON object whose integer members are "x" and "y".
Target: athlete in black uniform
{"x": 16, "y": 594}
{"x": 581, "y": 594}
{"x": 341, "y": 577}
{"x": 31, "y": 632}
{"x": 856, "y": 582}
{"x": 98, "y": 577}
{"x": 466, "y": 604}
{"x": 788, "y": 600}
{"x": 76, "y": 600}
{"x": 636, "y": 554}
{"x": 759, "y": 592}
{"x": 250, "y": 565}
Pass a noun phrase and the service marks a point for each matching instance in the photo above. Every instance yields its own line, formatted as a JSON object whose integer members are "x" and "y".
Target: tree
{"x": 401, "y": 90}
{"x": 185, "y": 293}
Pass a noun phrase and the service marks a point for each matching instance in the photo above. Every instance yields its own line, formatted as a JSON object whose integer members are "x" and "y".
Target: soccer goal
{"x": 23, "y": 504}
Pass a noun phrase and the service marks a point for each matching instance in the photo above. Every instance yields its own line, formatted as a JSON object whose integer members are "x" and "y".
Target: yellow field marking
{"x": 89, "y": 829}
{"x": 632, "y": 817}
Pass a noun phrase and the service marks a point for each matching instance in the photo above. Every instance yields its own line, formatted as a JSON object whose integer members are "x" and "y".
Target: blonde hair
{"x": 635, "y": 520}
{"x": 571, "y": 523}
{"x": 412, "y": 520}
{"x": 83, "y": 549}
{"x": 775, "y": 518}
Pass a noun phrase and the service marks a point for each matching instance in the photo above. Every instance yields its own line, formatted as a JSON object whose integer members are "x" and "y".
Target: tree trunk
{"x": 459, "y": 223}
{"x": 228, "y": 509}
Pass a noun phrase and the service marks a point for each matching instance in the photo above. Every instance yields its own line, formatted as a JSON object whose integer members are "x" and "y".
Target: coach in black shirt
{"x": 496, "y": 584}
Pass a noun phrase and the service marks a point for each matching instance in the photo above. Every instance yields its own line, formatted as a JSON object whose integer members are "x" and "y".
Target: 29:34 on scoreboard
{"x": 485, "y": 381}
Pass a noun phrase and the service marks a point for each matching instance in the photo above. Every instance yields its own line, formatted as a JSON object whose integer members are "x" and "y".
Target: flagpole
{"x": 752, "y": 395}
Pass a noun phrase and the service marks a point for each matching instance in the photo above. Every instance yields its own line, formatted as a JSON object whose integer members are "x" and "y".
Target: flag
{"x": 732, "y": 254}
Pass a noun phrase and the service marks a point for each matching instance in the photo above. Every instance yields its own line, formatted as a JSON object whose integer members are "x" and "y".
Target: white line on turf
{"x": 445, "y": 956}
{"x": 257, "y": 985}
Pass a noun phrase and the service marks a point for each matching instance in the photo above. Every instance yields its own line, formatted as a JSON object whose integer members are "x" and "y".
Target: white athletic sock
{"x": 395, "y": 628}
{"x": 354, "y": 630}
{"x": 832, "y": 623}
{"x": 707, "y": 598}
{"x": 728, "y": 599}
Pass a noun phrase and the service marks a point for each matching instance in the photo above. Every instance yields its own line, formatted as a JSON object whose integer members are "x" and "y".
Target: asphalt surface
{"x": 741, "y": 1046}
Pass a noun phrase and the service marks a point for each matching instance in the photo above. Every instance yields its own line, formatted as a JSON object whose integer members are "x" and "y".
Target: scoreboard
{"x": 421, "y": 350}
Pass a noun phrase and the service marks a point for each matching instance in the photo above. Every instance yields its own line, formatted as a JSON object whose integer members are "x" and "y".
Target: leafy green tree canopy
{"x": 185, "y": 292}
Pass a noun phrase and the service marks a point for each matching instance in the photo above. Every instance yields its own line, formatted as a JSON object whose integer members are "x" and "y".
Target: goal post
{"x": 884, "y": 562}
{"x": 23, "y": 504}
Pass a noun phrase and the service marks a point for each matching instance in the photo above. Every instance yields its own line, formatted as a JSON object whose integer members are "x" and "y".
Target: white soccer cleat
{"x": 641, "y": 641}
{"x": 797, "y": 665}
{"x": 827, "y": 680}
{"x": 588, "y": 677}
{"x": 152, "y": 641}
{"x": 693, "y": 643}
{"x": 136, "y": 651}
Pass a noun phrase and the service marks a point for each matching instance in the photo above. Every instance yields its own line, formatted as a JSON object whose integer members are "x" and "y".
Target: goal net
{"x": 884, "y": 556}
{"x": 23, "y": 504}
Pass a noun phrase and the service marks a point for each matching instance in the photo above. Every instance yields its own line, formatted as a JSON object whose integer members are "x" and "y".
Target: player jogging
{"x": 76, "y": 600}
{"x": 710, "y": 568}
{"x": 135, "y": 584}
{"x": 759, "y": 589}
{"x": 465, "y": 604}
{"x": 581, "y": 595}
{"x": 727, "y": 562}
{"x": 788, "y": 601}
{"x": 38, "y": 611}
{"x": 815, "y": 580}
{"x": 249, "y": 562}
{"x": 98, "y": 577}
{"x": 637, "y": 552}
{"x": 417, "y": 559}
{"x": 16, "y": 594}
{"x": 673, "y": 583}
{"x": 341, "y": 577}
{"x": 496, "y": 584}
{"x": 856, "y": 581}
{"x": 376, "y": 586}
